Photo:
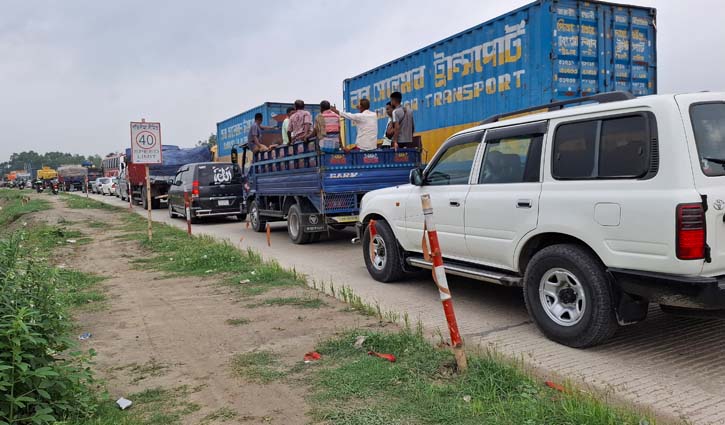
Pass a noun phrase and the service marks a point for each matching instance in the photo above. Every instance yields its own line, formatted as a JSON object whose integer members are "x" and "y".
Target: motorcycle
{"x": 39, "y": 186}
{"x": 54, "y": 188}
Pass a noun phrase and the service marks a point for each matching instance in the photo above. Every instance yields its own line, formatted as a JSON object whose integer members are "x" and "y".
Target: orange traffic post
{"x": 439, "y": 276}
{"x": 187, "y": 212}
{"x": 373, "y": 230}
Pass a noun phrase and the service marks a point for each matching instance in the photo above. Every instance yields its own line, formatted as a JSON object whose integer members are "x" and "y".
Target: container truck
{"x": 549, "y": 50}
{"x": 173, "y": 157}
{"x": 72, "y": 177}
{"x": 233, "y": 131}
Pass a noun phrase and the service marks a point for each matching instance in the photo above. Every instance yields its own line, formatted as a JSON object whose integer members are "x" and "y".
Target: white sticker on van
{"x": 222, "y": 174}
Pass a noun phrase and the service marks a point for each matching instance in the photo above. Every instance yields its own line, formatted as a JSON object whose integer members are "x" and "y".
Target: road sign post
{"x": 146, "y": 150}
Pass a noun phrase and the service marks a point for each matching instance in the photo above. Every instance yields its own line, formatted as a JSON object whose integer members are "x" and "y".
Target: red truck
{"x": 173, "y": 158}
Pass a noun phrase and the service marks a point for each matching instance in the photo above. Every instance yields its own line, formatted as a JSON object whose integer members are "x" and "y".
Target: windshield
{"x": 104, "y": 181}
{"x": 708, "y": 124}
{"x": 210, "y": 175}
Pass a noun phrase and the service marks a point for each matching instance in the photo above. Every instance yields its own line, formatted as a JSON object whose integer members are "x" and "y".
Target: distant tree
{"x": 34, "y": 160}
{"x": 211, "y": 141}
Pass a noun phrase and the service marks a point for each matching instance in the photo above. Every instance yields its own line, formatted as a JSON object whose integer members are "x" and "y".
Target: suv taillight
{"x": 195, "y": 189}
{"x": 690, "y": 232}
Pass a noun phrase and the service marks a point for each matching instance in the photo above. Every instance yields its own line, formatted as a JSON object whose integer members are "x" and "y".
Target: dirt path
{"x": 171, "y": 332}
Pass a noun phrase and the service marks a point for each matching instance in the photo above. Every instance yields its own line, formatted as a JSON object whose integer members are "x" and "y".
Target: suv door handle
{"x": 455, "y": 203}
{"x": 523, "y": 203}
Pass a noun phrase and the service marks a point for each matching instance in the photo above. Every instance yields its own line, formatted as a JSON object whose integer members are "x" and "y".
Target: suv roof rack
{"x": 614, "y": 96}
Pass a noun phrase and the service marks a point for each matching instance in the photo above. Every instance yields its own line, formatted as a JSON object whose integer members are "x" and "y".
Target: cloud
{"x": 74, "y": 73}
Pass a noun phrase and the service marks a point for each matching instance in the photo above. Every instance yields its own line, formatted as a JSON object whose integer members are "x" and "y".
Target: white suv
{"x": 594, "y": 210}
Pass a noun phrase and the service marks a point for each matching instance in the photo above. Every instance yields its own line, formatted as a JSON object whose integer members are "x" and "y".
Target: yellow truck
{"x": 46, "y": 173}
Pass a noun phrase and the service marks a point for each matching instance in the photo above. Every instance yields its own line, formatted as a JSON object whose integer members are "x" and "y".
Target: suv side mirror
{"x": 416, "y": 177}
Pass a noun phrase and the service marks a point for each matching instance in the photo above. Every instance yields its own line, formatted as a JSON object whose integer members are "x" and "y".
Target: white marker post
{"x": 146, "y": 150}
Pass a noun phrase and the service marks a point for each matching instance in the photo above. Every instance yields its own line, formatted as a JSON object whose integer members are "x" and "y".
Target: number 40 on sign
{"x": 146, "y": 142}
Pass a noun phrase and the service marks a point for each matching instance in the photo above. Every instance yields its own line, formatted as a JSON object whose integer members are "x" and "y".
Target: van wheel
{"x": 568, "y": 294}
{"x": 172, "y": 214}
{"x": 258, "y": 223}
{"x": 294, "y": 226}
{"x": 383, "y": 258}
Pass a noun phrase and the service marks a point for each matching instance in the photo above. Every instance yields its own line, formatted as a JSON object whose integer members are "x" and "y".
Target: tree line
{"x": 33, "y": 160}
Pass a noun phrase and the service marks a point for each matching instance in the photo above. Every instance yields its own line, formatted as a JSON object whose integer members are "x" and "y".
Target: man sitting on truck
{"x": 300, "y": 123}
{"x": 367, "y": 126}
{"x": 327, "y": 128}
{"x": 255, "y": 135}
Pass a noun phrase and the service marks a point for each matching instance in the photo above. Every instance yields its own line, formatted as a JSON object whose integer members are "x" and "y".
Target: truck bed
{"x": 334, "y": 183}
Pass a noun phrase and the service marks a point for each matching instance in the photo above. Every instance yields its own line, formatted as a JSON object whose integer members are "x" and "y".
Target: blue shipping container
{"x": 234, "y": 130}
{"x": 546, "y": 51}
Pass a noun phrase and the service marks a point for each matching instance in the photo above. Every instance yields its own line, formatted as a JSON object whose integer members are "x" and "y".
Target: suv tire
{"x": 568, "y": 294}
{"x": 385, "y": 264}
{"x": 258, "y": 224}
{"x": 294, "y": 226}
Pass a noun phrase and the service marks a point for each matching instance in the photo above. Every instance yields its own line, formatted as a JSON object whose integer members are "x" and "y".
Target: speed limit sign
{"x": 146, "y": 142}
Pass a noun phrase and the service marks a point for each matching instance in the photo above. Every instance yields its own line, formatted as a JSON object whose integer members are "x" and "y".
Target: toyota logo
{"x": 719, "y": 204}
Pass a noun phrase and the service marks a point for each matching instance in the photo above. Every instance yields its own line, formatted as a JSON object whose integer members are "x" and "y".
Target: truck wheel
{"x": 383, "y": 258}
{"x": 258, "y": 223}
{"x": 568, "y": 294}
{"x": 294, "y": 226}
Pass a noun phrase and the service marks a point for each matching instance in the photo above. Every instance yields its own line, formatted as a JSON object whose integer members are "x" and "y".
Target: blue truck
{"x": 315, "y": 191}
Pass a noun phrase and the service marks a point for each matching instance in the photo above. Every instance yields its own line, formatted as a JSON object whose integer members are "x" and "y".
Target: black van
{"x": 215, "y": 189}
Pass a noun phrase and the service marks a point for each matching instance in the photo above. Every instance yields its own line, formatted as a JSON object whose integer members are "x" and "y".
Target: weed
{"x": 222, "y": 414}
{"x": 237, "y": 322}
{"x": 257, "y": 366}
{"x": 81, "y": 202}
{"x": 12, "y": 206}
{"x": 305, "y": 302}
{"x": 149, "y": 369}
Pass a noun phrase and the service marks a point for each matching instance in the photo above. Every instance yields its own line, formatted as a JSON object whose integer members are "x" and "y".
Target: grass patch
{"x": 156, "y": 406}
{"x": 237, "y": 322}
{"x": 143, "y": 371}
{"x": 177, "y": 254}
{"x": 15, "y": 204}
{"x": 305, "y": 302}
{"x": 421, "y": 387}
{"x": 222, "y": 414}
{"x": 97, "y": 224}
{"x": 78, "y": 202}
{"x": 257, "y": 366}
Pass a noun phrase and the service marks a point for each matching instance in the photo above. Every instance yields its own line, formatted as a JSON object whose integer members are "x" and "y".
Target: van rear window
{"x": 210, "y": 175}
{"x": 708, "y": 124}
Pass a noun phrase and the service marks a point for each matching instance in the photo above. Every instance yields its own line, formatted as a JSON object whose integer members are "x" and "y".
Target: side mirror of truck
{"x": 416, "y": 177}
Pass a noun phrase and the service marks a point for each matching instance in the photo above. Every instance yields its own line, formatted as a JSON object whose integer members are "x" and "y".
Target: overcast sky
{"x": 74, "y": 73}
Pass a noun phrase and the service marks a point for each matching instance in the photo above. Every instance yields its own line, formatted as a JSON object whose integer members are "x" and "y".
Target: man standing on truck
{"x": 403, "y": 125}
{"x": 255, "y": 134}
{"x": 285, "y": 126}
{"x": 366, "y": 122}
{"x": 300, "y": 123}
{"x": 327, "y": 128}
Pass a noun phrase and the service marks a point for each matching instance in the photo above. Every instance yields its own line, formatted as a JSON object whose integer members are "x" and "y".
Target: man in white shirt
{"x": 367, "y": 126}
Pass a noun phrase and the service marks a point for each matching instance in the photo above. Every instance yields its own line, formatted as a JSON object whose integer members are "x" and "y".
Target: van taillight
{"x": 690, "y": 232}
{"x": 195, "y": 189}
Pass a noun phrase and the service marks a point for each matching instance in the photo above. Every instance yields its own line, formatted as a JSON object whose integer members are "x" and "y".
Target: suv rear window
{"x": 603, "y": 149}
{"x": 210, "y": 175}
{"x": 708, "y": 124}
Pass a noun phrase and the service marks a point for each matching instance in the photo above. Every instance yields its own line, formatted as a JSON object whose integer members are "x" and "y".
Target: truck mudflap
{"x": 694, "y": 292}
{"x": 313, "y": 223}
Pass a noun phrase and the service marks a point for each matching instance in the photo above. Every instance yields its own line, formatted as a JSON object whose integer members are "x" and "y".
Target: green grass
{"x": 257, "y": 366}
{"x": 13, "y": 207}
{"x": 81, "y": 202}
{"x": 222, "y": 414}
{"x": 239, "y": 321}
{"x": 302, "y": 302}
{"x": 422, "y": 388}
{"x": 156, "y": 406}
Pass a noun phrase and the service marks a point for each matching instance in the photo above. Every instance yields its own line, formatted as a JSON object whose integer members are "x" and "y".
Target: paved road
{"x": 676, "y": 366}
